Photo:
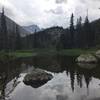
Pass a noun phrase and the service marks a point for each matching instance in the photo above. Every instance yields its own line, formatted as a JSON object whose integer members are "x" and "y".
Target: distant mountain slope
{"x": 57, "y": 36}
{"x": 46, "y": 38}
{"x": 96, "y": 26}
{"x": 11, "y": 27}
{"x": 32, "y": 28}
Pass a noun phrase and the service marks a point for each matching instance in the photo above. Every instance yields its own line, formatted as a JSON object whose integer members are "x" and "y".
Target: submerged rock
{"x": 86, "y": 58}
{"x": 87, "y": 65}
{"x": 37, "y": 78}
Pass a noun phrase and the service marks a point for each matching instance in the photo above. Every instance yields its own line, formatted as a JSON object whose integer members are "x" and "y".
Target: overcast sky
{"x": 47, "y": 13}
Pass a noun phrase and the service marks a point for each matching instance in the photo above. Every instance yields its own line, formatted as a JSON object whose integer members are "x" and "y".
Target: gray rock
{"x": 98, "y": 54}
{"x": 87, "y": 65}
{"x": 86, "y": 58}
{"x": 37, "y": 78}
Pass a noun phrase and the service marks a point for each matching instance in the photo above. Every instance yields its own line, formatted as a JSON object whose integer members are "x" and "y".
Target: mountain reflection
{"x": 75, "y": 74}
{"x": 55, "y": 64}
{"x": 80, "y": 74}
{"x": 61, "y": 63}
{"x": 61, "y": 97}
{"x": 8, "y": 72}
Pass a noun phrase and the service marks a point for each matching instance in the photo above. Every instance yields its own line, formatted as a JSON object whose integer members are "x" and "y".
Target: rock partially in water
{"x": 98, "y": 54}
{"x": 37, "y": 78}
{"x": 87, "y": 65}
{"x": 86, "y": 58}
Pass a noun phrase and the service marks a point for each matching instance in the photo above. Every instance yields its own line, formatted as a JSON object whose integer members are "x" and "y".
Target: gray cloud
{"x": 58, "y": 10}
{"x": 47, "y": 13}
{"x": 61, "y": 1}
{"x": 91, "y": 5}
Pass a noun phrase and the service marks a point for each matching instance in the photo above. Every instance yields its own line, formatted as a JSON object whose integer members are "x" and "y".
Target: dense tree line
{"x": 3, "y": 31}
{"x": 9, "y": 40}
{"x": 47, "y": 38}
{"x": 79, "y": 35}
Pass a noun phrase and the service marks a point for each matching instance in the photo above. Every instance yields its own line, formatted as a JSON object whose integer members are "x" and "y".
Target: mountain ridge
{"x": 11, "y": 26}
{"x": 32, "y": 28}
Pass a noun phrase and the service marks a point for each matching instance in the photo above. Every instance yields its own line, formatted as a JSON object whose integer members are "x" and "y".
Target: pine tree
{"x": 4, "y": 34}
{"x": 88, "y": 33}
{"x": 72, "y": 30}
{"x": 18, "y": 39}
{"x": 79, "y": 33}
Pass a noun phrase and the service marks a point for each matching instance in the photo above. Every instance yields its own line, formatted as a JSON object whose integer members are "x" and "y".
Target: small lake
{"x": 70, "y": 81}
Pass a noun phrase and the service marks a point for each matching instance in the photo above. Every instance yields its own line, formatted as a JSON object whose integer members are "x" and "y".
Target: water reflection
{"x": 9, "y": 72}
{"x": 69, "y": 79}
{"x": 61, "y": 97}
{"x": 87, "y": 66}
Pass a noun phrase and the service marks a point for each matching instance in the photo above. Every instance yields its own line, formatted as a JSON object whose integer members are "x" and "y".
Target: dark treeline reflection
{"x": 9, "y": 72}
{"x": 59, "y": 63}
{"x": 55, "y": 64}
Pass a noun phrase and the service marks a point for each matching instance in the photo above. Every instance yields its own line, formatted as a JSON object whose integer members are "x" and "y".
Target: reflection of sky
{"x": 58, "y": 89}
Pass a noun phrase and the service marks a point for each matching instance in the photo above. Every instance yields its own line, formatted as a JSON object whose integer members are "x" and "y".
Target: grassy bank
{"x": 67, "y": 52}
{"x": 5, "y": 57}
{"x": 41, "y": 52}
{"x": 77, "y": 52}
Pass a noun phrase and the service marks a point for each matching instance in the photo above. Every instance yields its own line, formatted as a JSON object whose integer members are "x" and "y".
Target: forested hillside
{"x": 96, "y": 27}
{"x": 10, "y": 33}
{"x": 47, "y": 38}
{"x": 79, "y": 35}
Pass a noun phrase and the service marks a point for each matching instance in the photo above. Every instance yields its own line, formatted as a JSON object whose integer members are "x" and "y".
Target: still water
{"x": 70, "y": 81}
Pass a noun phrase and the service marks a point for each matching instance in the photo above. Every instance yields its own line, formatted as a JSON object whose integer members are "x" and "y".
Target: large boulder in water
{"x": 37, "y": 78}
{"x": 98, "y": 54}
{"x": 87, "y": 65}
{"x": 86, "y": 58}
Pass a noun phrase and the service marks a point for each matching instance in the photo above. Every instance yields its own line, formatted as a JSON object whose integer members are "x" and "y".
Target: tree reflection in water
{"x": 54, "y": 64}
{"x": 61, "y": 97}
{"x": 8, "y": 72}
{"x": 3, "y": 85}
